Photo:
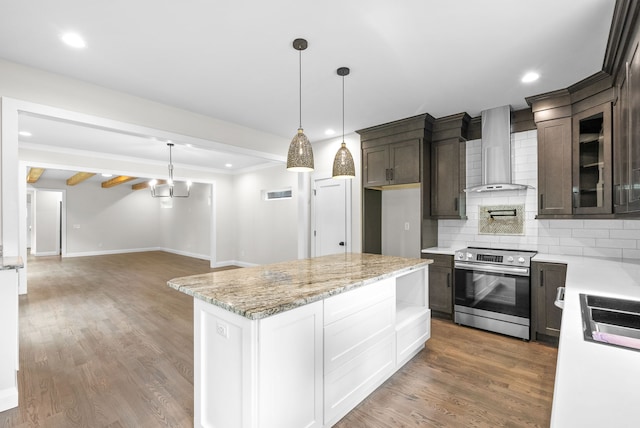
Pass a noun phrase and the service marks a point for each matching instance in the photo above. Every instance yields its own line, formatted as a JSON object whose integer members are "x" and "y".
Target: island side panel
{"x": 290, "y": 368}
{"x": 224, "y": 368}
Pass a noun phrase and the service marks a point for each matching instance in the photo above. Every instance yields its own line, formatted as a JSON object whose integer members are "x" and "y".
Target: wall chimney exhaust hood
{"x": 496, "y": 152}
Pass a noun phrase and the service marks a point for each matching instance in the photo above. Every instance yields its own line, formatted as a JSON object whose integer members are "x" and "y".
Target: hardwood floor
{"x": 105, "y": 343}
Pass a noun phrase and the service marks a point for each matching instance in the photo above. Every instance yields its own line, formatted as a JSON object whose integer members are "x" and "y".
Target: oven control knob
{"x": 459, "y": 256}
{"x": 520, "y": 259}
{"x": 510, "y": 259}
{"x": 469, "y": 256}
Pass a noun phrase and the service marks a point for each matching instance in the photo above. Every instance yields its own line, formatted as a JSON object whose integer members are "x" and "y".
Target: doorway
{"x": 47, "y": 219}
{"x": 331, "y": 216}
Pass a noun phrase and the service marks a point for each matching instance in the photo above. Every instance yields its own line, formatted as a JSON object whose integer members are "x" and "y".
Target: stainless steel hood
{"x": 496, "y": 152}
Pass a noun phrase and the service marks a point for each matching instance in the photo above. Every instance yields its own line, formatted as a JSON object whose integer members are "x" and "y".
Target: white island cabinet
{"x": 300, "y": 344}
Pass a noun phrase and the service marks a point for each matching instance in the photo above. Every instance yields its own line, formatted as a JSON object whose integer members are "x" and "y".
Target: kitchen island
{"x": 596, "y": 384}
{"x": 301, "y": 343}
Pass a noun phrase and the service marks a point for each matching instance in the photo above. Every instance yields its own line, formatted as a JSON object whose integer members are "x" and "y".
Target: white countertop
{"x": 596, "y": 385}
{"x": 441, "y": 250}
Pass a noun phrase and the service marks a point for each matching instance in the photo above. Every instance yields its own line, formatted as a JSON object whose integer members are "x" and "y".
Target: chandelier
{"x": 166, "y": 188}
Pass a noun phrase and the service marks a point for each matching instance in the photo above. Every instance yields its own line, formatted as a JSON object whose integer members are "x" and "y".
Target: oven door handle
{"x": 509, "y": 270}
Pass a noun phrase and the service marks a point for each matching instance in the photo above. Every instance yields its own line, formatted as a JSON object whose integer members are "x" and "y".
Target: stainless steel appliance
{"x": 492, "y": 290}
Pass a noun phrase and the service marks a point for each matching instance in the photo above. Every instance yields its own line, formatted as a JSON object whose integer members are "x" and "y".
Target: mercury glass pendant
{"x": 300, "y": 156}
{"x": 343, "y": 166}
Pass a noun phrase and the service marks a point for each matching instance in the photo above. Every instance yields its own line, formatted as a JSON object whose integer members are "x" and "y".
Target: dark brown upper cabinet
{"x": 448, "y": 167}
{"x": 392, "y": 154}
{"x": 554, "y": 167}
{"x": 448, "y": 178}
{"x": 627, "y": 144}
{"x": 592, "y": 165}
{"x": 389, "y": 164}
{"x": 575, "y": 162}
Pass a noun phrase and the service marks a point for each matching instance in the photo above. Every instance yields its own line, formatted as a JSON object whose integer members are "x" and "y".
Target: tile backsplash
{"x": 600, "y": 238}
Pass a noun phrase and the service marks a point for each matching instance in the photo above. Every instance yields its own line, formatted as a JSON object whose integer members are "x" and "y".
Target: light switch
{"x": 406, "y": 225}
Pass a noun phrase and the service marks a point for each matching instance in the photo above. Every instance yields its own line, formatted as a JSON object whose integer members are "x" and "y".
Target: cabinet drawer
{"x": 352, "y": 335}
{"x": 412, "y": 336}
{"x": 351, "y": 383}
{"x": 345, "y": 304}
{"x": 443, "y": 260}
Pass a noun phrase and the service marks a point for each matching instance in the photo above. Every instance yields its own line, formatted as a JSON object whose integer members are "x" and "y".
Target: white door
{"x": 331, "y": 216}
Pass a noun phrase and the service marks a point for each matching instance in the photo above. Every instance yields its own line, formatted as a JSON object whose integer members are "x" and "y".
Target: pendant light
{"x": 300, "y": 156}
{"x": 343, "y": 166}
{"x": 157, "y": 187}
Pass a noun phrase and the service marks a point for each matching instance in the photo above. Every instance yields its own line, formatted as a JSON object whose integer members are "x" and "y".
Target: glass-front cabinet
{"x": 592, "y": 164}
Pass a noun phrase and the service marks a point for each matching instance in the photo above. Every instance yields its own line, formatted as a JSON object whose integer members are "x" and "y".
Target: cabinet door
{"x": 405, "y": 162}
{"x": 440, "y": 289}
{"x": 554, "y": 167}
{"x": 375, "y": 165}
{"x": 445, "y": 179}
{"x": 592, "y": 161}
{"x": 634, "y": 131}
{"x": 621, "y": 149}
{"x": 545, "y": 280}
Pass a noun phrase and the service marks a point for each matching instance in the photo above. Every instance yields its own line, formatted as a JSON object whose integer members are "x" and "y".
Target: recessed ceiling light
{"x": 228, "y": 165}
{"x": 104, "y": 174}
{"x": 531, "y": 76}
{"x": 329, "y": 132}
{"x": 74, "y": 40}
{"x": 25, "y": 133}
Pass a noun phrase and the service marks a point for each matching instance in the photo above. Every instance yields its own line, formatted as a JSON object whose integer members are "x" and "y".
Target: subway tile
{"x": 625, "y": 234}
{"x": 549, "y": 240}
{"x": 630, "y": 254}
{"x": 603, "y": 224}
{"x": 616, "y": 243}
{"x": 566, "y": 224}
{"x": 602, "y": 252}
{"x": 631, "y": 224}
{"x": 566, "y": 250}
{"x": 572, "y": 242}
{"x": 560, "y": 233}
{"x": 590, "y": 233}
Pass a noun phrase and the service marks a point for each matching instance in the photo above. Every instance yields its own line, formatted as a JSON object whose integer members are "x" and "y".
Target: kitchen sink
{"x": 611, "y": 321}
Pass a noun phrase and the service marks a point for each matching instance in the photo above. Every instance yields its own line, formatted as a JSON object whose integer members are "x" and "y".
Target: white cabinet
{"x": 359, "y": 346}
{"x": 309, "y": 366}
{"x": 9, "y": 339}
{"x": 258, "y": 373}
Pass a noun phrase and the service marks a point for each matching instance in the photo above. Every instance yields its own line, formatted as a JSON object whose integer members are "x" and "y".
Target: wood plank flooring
{"x": 105, "y": 343}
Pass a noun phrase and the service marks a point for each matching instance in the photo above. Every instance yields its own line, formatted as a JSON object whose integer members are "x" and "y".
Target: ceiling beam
{"x": 79, "y": 178}
{"x": 34, "y": 174}
{"x": 145, "y": 184}
{"x": 116, "y": 181}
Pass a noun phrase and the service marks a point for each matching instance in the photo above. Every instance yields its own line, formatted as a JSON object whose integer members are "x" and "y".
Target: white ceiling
{"x": 234, "y": 61}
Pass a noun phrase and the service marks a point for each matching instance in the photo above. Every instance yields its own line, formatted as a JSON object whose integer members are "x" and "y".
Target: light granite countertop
{"x": 261, "y": 291}
{"x": 9, "y": 263}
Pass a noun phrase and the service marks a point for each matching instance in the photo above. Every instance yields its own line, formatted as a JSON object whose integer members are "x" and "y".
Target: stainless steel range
{"x": 493, "y": 289}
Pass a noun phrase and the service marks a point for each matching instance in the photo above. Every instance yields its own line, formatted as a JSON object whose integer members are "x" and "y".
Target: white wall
{"x": 267, "y": 231}
{"x": 401, "y": 207}
{"x": 185, "y": 228}
{"x": 118, "y": 219}
{"x": 46, "y": 227}
{"x": 603, "y": 238}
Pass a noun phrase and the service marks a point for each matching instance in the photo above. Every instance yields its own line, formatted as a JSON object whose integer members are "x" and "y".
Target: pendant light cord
{"x": 343, "y": 109}
{"x": 300, "y": 87}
